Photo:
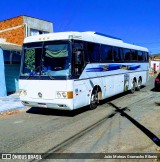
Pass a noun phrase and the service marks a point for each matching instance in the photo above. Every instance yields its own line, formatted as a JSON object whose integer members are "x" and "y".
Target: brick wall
{"x": 12, "y": 30}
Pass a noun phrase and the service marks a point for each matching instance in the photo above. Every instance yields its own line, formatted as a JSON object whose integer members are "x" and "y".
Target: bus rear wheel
{"x": 133, "y": 86}
{"x": 139, "y": 84}
{"x": 94, "y": 99}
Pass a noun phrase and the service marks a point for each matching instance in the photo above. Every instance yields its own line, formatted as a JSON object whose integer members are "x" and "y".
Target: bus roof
{"x": 89, "y": 36}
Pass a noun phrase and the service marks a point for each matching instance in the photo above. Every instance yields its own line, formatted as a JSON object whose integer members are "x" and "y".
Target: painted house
{"x": 155, "y": 62}
{"x": 12, "y": 33}
{"x": 155, "y": 65}
{"x": 10, "y": 57}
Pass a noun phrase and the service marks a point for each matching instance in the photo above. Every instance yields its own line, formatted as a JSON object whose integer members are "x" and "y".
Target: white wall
{"x": 157, "y": 65}
{"x": 37, "y": 24}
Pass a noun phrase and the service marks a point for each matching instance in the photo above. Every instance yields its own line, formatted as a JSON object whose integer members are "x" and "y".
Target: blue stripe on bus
{"x": 112, "y": 67}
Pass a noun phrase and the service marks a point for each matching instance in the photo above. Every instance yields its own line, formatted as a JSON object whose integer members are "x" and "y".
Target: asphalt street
{"x": 126, "y": 123}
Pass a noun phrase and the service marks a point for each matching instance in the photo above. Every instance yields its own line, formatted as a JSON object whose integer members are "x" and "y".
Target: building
{"x": 14, "y": 30}
{"x": 9, "y": 66}
{"x": 155, "y": 62}
{"x": 12, "y": 33}
{"x": 155, "y": 65}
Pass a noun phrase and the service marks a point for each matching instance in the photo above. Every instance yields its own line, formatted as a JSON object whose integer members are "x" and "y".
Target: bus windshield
{"x": 46, "y": 59}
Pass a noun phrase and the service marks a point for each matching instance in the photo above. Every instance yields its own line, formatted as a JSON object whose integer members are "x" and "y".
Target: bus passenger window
{"x": 126, "y": 54}
{"x": 106, "y": 53}
{"x": 146, "y": 56}
{"x": 120, "y": 51}
{"x": 140, "y": 56}
{"x": 117, "y": 52}
{"x": 93, "y": 52}
{"x": 134, "y": 55}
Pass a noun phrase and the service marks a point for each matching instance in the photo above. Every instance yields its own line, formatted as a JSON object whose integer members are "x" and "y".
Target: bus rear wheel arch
{"x": 134, "y": 85}
{"x": 139, "y": 83}
{"x": 96, "y": 95}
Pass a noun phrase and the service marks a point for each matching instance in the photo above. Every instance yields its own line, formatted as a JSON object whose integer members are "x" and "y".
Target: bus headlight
{"x": 64, "y": 95}
{"x": 23, "y": 92}
{"x": 58, "y": 95}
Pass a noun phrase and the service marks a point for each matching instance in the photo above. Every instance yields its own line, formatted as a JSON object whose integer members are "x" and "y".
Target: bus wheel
{"x": 133, "y": 86}
{"x": 139, "y": 84}
{"x": 94, "y": 99}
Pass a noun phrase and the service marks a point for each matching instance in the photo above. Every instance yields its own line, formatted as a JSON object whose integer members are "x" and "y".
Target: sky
{"x": 134, "y": 21}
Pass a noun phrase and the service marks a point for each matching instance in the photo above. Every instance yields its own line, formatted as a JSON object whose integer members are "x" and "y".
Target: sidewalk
{"x": 10, "y": 102}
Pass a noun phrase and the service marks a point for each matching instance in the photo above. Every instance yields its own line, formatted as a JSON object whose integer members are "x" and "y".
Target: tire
{"x": 156, "y": 89}
{"x": 139, "y": 84}
{"x": 94, "y": 100}
{"x": 133, "y": 87}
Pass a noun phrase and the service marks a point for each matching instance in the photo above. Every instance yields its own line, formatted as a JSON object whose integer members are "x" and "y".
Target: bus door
{"x": 80, "y": 87}
{"x": 79, "y": 61}
{"x": 78, "y": 58}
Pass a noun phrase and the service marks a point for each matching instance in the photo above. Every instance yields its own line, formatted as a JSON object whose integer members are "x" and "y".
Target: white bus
{"x": 69, "y": 70}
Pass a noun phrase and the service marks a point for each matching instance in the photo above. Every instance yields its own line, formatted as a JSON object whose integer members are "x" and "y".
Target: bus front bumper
{"x": 60, "y": 104}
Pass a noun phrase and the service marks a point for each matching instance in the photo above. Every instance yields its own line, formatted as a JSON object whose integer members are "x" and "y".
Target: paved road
{"x": 124, "y": 123}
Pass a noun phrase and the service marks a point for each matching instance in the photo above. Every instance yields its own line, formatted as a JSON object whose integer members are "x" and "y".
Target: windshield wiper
{"x": 50, "y": 76}
{"x": 31, "y": 74}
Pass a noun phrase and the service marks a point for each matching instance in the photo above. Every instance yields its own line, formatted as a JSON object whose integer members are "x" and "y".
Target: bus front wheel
{"x": 94, "y": 99}
{"x": 133, "y": 86}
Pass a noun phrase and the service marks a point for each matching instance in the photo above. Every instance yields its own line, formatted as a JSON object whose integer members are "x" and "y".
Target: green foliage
{"x": 30, "y": 59}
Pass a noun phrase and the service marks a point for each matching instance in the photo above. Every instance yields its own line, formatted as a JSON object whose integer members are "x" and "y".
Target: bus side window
{"x": 127, "y": 54}
{"x": 120, "y": 51}
{"x": 93, "y": 52}
{"x": 133, "y": 55}
{"x": 106, "y": 53}
{"x": 146, "y": 56}
{"x": 140, "y": 56}
{"x": 117, "y": 53}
